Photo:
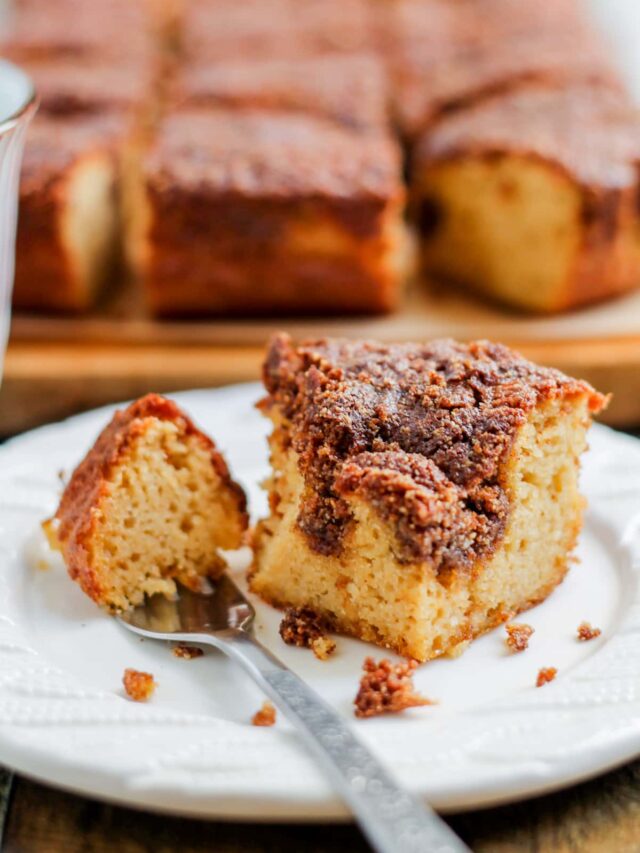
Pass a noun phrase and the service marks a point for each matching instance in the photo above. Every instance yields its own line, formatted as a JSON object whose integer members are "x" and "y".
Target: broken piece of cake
{"x": 148, "y": 507}
{"x": 421, "y": 494}
{"x": 518, "y": 636}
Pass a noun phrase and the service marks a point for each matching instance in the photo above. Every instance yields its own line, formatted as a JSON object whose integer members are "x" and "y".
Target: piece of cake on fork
{"x": 148, "y": 507}
{"x": 421, "y": 493}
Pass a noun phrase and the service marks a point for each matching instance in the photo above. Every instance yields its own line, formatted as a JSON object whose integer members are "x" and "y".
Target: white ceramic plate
{"x": 493, "y": 736}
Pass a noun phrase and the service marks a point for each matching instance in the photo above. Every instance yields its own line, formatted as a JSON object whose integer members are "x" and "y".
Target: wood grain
{"x": 49, "y": 381}
{"x": 602, "y": 816}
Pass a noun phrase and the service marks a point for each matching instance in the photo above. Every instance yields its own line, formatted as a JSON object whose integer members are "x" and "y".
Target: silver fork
{"x": 392, "y": 820}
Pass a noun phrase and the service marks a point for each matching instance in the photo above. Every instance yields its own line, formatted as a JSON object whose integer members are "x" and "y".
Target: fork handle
{"x": 392, "y": 820}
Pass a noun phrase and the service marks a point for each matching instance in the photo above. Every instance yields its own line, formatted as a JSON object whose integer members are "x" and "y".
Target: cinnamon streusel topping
{"x": 301, "y": 626}
{"x": 419, "y": 430}
{"x": 387, "y": 688}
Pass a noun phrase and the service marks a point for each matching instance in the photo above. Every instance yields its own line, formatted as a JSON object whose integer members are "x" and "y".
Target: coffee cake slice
{"x": 67, "y": 240}
{"x": 148, "y": 507}
{"x": 421, "y": 493}
{"x": 239, "y": 211}
{"x": 530, "y": 198}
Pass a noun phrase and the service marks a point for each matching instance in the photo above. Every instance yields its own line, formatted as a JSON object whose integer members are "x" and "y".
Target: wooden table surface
{"x": 601, "y": 816}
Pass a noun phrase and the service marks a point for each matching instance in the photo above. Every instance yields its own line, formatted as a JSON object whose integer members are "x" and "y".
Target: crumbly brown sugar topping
{"x": 54, "y": 145}
{"x": 587, "y": 632}
{"x": 88, "y": 481}
{"x": 518, "y": 636}
{"x": 272, "y": 155}
{"x": 387, "y": 688}
{"x": 301, "y": 626}
{"x": 543, "y": 123}
{"x": 419, "y": 430}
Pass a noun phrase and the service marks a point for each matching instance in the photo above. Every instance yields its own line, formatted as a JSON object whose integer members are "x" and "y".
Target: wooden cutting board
{"x": 57, "y": 366}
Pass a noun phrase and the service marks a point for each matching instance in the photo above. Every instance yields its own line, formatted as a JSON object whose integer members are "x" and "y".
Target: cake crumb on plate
{"x": 545, "y": 675}
{"x": 182, "y": 650}
{"x": 139, "y": 686}
{"x": 387, "y": 688}
{"x": 266, "y": 716}
{"x": 587, "y": 632}
{"x": 518, "y": 635}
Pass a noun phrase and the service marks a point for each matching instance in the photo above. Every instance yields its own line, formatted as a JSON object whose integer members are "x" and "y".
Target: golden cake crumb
{"x": 266, "y": 716}
{"x": 518, "y": 636}
{"x": 301, "y": 626}
{"x": 182, "y": 650}
{"x": 545, "y": 675}
{"x": 387, "y": 688}
{"x": 139, "y": 686}
{"x": 587, "y": 632}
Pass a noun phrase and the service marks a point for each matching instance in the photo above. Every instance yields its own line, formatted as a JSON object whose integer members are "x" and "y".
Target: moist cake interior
{"x": 150, "y": 505}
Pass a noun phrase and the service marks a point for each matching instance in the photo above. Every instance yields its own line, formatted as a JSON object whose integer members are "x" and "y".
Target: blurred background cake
{"x": 264, "y": 147}
{"x": 202, "y": 173}
{"x": 421, "y": 494}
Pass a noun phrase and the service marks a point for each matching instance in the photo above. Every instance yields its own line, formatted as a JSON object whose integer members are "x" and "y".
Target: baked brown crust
{"x": 89, "y": 482}
{"x": 44, "y": 276}
{"x": 68, "y": 86}
{"x": 111, "y": 28}
{"x": 351, "y": 90}
{"x": 548, "y": 124}
{"x": 447, "y": 56}
{"x": 225, "y": 180}
{"x": 276, "y": 28}
{"x": 414, "y": 428}
{"x": 546, "y": 127}
{"x": 250, "y": 154}
{"x": 53, "y": 146}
